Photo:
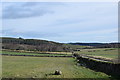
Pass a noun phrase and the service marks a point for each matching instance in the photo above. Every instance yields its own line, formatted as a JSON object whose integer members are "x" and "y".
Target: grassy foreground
{"x": 44, "y": 67}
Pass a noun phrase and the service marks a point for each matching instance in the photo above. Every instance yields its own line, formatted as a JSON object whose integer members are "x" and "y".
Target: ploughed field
{"x": 44, "y": 67}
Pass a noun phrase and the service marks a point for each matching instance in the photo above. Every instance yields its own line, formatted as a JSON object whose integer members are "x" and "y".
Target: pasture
{"x": 111, "y": 53}
{"x": 44, "y": 67}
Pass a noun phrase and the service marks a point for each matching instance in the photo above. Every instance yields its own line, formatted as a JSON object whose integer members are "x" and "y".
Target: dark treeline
{"x": 32, "y": 45}
{"x": 99, "y": 45}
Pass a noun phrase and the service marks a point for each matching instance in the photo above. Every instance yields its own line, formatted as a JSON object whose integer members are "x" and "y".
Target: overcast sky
{"x": 61, "y": 22}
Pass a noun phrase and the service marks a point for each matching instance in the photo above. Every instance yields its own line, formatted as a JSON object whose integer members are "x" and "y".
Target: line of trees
{"x": 99, "y": 45}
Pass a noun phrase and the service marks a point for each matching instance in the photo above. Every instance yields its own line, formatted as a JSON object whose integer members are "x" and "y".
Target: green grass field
{"x": 44, "y": 67}
{"x": 103, "y": 52}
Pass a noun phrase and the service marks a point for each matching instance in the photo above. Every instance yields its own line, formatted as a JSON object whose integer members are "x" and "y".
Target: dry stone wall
{"x": 109, "y": 68}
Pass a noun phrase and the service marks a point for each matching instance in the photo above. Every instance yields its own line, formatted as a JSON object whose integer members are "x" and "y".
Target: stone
{"x": 57, "y": 72}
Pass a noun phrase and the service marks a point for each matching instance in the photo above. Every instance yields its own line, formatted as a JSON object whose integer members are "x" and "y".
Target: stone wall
{"x": 109, "y": 68}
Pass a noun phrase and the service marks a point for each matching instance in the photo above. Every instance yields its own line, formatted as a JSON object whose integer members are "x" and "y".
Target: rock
{"x": 17, "y": 75}
{"x": 57, "y": 72}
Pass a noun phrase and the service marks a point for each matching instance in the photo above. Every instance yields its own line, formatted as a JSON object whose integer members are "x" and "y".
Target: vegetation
{"x": 25, "y": 51}
{"x": 32, "y": 45}
{"x": 34, "y": 54}
{"x": 101, "y": 52}
{"x": 44, "y": 67}
{"x": 99, "y": 45}
{"x": 50, "y": 46}
{"x": 74, "y": 47}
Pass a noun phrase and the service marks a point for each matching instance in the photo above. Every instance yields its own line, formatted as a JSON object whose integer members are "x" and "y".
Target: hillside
{"x": 50, "y": 46}
{"x": 32, "y": 45}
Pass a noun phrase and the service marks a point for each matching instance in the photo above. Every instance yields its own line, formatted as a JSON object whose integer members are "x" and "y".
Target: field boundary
{"x": 54, "y": 79}
{"x": 107, "y": 67}
{"x": 36, "y": 52}
{"x": 37, "y": 55}
{"x": 97, "y": 58}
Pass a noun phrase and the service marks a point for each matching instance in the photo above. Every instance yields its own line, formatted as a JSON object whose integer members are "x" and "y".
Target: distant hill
{"x": 44, "y": 45}
{"x": 32, "y": 45}
{"x": 98, "y": 45}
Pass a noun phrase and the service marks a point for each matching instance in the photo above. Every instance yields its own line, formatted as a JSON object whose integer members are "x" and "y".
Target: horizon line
{"x": 62, "y": 42}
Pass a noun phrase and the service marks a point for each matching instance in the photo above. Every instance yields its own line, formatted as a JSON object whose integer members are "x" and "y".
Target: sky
{"x": 61, "y": 21}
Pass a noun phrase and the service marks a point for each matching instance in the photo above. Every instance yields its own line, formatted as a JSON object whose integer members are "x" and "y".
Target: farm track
{"x": 97, "y": 58}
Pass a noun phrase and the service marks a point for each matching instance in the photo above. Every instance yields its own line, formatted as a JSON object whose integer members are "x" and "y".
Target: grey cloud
{"x": 24, "y": 10}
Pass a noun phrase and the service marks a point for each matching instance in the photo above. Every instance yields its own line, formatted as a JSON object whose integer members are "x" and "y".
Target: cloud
{"x": 23, "y": 10}
{"x": 96, "y": 32}
{"x": 61, "y": 21}
{"x": 18, "y": 33}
